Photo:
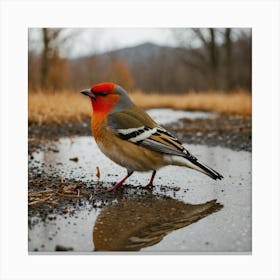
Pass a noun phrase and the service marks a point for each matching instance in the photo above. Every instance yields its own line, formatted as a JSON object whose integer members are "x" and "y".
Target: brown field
{"x": 65, "y": 106}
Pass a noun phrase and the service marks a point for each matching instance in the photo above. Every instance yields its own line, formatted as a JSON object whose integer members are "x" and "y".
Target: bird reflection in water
{"x": 132, "y": 224}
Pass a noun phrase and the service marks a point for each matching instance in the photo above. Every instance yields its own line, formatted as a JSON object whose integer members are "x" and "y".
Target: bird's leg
{"x": 120, "y": 183}
{"x": 151, "y": 180}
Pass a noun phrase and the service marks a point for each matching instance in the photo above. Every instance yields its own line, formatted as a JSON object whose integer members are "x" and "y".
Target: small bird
{"x": 131, "y": 138}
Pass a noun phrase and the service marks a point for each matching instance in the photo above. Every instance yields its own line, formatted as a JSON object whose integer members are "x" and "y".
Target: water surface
{"x": 182, "y": 213}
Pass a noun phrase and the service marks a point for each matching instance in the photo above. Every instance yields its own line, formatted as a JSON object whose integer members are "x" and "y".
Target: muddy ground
{"x": 53, "y": 197}
{"x": 232, "y": 132}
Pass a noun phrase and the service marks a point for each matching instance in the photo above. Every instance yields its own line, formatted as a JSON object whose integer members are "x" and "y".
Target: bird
{"x": 127, "y": 135}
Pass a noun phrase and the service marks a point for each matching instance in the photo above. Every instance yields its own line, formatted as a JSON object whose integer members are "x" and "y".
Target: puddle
{"x": 167, "y": 116}
{"x": 192, "y": 227}
{"x": 73, "y": 232}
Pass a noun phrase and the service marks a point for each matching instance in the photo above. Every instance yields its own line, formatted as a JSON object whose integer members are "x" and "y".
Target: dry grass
{"x": 57, "y": 107}
{"x": 234, "y": 103}
{"x": 53, "y": 196}
{"x": 72, "y": 106}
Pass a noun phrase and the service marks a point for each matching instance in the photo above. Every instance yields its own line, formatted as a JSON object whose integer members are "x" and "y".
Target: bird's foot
{"x": 119, "y": 184}
{"x": 114, "y": 188}
{"x": 150, "y": 185}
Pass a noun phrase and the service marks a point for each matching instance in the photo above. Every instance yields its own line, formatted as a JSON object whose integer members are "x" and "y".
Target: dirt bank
{"x": 226, "y": 131}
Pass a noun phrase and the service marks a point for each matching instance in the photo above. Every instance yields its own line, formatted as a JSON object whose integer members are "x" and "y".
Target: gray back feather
{"x": 124, "y": 103}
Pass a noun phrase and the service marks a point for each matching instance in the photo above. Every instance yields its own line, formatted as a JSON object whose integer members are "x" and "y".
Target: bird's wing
{"x": 136, "y": 126}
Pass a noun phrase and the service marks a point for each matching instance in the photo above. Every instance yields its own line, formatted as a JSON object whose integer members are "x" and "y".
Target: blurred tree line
{"x": 205, "y": 59}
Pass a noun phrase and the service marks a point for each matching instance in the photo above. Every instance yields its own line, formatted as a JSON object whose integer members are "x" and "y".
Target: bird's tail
{"x": 190, "y": 161}
{"x": 195, "y": 164}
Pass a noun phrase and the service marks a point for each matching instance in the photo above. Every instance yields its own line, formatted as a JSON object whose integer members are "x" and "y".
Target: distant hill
{"x": 147, "y": 63}
{"x": 161, "y": 68}
{"x": 131, "y": 55}
{"x": 143, "y": 52}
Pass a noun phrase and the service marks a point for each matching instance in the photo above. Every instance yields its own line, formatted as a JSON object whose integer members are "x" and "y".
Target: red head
{"x": 106, "y": 97}
{"x": 103, "y": 87}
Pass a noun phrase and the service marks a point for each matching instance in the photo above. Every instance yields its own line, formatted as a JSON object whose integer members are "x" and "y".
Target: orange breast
{"x": 97, "y": 124}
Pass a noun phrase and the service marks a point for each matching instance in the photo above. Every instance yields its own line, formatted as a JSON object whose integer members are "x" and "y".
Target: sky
{"x": 98, "y": 40}
{"x": 115, "y": 38}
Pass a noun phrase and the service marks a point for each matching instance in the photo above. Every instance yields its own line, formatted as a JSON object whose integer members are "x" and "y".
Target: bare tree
{"x": 209, "y": 52}
{"x": 49, "y": 48}
{"x": 214, "y": 57}
{"x": 119, "y": 72}
{"x": 54, "y": 68}
{"x": 208, "y": 40}
{"x": 228, "y": 51}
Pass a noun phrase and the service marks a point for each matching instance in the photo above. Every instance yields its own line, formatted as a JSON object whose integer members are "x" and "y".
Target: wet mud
{"x": 210, "y": 129}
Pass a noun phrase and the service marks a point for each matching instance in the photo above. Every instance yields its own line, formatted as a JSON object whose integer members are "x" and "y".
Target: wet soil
{"x": 232, "y": 132}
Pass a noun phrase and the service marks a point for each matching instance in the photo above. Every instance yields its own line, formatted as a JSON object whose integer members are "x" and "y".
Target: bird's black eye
{"x": 101, "y": 93}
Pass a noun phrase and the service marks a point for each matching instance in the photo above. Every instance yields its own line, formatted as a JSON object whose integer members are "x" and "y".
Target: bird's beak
{"x": 88, "y": 92}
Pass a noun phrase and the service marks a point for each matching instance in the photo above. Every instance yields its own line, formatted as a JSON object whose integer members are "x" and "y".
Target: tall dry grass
{"x": 234, "y": 103}
{"x": 44, "y": 108}
{"x": 57, "y": 107}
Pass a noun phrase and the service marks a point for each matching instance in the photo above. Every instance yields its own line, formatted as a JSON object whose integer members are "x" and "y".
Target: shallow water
{"x": 178, "y": 216}
{"x": 166, "y": 116}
